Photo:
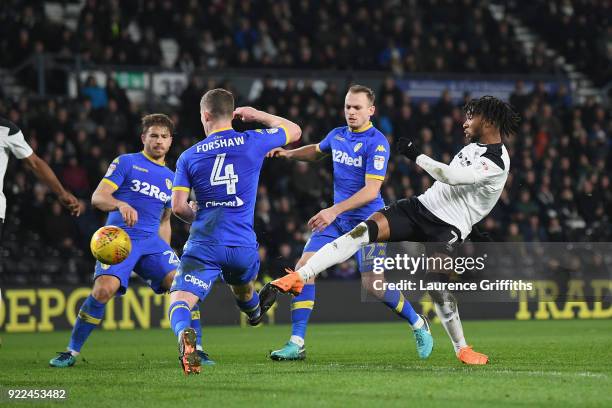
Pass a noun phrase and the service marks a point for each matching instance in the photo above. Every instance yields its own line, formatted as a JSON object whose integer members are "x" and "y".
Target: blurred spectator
{"x": 400, "y": 37}
{"x": 96, "y": 94}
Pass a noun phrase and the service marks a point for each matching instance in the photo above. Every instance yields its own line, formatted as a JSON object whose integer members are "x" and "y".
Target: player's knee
{"x": 103, "y": 293}
{"x": 366, "y": 230}
{"x": 105, "y": 288}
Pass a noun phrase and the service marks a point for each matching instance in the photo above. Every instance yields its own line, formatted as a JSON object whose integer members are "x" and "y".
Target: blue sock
{"x": 90, "y": 316}
{"x": 301, "y": 308}
{"x": 250, "y": 307}
{"x": 396, "y": 301}
{"x": 180, "y": 316}
{"x": 196, "y": 323}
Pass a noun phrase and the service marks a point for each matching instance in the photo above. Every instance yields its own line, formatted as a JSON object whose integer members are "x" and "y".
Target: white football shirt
{"x": 11, "y": 141}
{"x": 464, "y": 205}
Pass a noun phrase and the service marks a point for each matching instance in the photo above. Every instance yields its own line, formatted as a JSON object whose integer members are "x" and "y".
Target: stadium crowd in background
{"x": 559, "y": 184}
{"x": 558, "y": 189}
{"x": 421, "y": 36}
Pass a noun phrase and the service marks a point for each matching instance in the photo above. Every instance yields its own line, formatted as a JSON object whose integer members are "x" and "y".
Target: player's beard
{"x": 474, "y": 137}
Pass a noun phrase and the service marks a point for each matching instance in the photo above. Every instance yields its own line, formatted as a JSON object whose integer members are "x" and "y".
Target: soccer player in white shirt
{"x": 12, "y": 141}
{"x": 463, "y": 194}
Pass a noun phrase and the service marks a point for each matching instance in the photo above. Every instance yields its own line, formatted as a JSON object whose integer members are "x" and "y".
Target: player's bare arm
{"x": 44, "y": 173}
{"x": 250, "y": 114}
{"x": 181, "y": 207}
{"x": 165, "y": 229}
{"x": 306, "y": 153}
{"x": 326, "y": 216}
{"x": 103, "y": 200}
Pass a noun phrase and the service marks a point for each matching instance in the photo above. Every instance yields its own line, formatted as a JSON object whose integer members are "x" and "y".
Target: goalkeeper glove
{"x": 407, "y": 147}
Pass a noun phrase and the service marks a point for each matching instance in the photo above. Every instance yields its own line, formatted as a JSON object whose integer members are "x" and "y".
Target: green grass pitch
{"x": 534, "y": 363}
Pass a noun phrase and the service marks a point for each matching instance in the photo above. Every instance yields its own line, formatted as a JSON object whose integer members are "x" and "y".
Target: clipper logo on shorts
{"x": 197, "y": 281}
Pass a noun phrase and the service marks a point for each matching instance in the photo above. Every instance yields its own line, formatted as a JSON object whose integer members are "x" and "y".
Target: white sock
{"x": 418, "y": 324}
{"x": 335, "y": 252}
{"x": 297, "y": 340}
{"x": 74, "y": 353}
{"x": 199, "y": 347}
{"x": 449, "y": 316}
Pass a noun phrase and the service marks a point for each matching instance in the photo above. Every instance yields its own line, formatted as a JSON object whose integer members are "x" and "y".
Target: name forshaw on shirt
{"x": 344, "y": 158}
{"x": 219, "y": 143}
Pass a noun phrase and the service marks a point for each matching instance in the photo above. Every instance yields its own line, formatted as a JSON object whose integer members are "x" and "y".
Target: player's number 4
{"x": 229, "y": 178}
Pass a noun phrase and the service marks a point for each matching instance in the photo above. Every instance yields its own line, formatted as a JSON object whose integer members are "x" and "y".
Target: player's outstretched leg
{"x": 301, "y": 309}
{"x": 196, "y": 324}
{"x": 330, "y": 254}
{"x": 89, "y": 317}
{"x": 446, "y": 309}
{"x": 180, "y": 321}
{"x": 333, "y": 253}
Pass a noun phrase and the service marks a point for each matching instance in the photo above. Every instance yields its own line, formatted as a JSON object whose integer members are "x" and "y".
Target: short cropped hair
{"x": 157, "y": 119}
{"x": 363, "y": 89}
{"x": 218, "y": 102}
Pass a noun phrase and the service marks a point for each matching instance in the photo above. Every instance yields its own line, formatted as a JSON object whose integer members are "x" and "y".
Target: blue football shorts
{"x": 201, "y": 265}
{"x": 151, "y": 258}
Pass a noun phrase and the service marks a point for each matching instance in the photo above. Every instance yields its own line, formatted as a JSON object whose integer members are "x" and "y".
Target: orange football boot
{"x": 188, "y": 355}
{"x": 468, "y": 356}
{"x": 290, "y": 283}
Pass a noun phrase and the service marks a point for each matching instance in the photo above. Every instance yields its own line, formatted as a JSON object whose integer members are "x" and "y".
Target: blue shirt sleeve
{"x": 268, "y": 139}
{"x": 117, "y": 172}
{"x": 325, "y": 144}
{"x": 182, "y": 180}
{"x": 378, "y": 158}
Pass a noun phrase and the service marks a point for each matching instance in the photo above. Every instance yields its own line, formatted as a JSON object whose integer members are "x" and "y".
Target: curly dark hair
{"x": 495, "y": 111}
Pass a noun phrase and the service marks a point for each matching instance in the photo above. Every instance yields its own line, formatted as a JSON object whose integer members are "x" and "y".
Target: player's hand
{"x": 193, "y": 205}
{"x": 407, "y": 147}
{"x": 479, "y": 236}
{"x": 279, "y": 152}
{"x": 129, "y": 214}
{"x": 322, "y": 219}
{"x": 71, "y": 203}
{"x": 246, "y": 114}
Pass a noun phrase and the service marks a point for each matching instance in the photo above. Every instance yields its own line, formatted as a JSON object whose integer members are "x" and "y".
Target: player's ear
{"x": 206, "y": 116}
{"x": 371, "y": 110}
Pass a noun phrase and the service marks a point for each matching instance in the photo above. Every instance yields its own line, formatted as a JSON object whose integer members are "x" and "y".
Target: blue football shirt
{"x": 146, "y": 185}
{"x": 223, "y": 170}
{"x": 356, "y": 155}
